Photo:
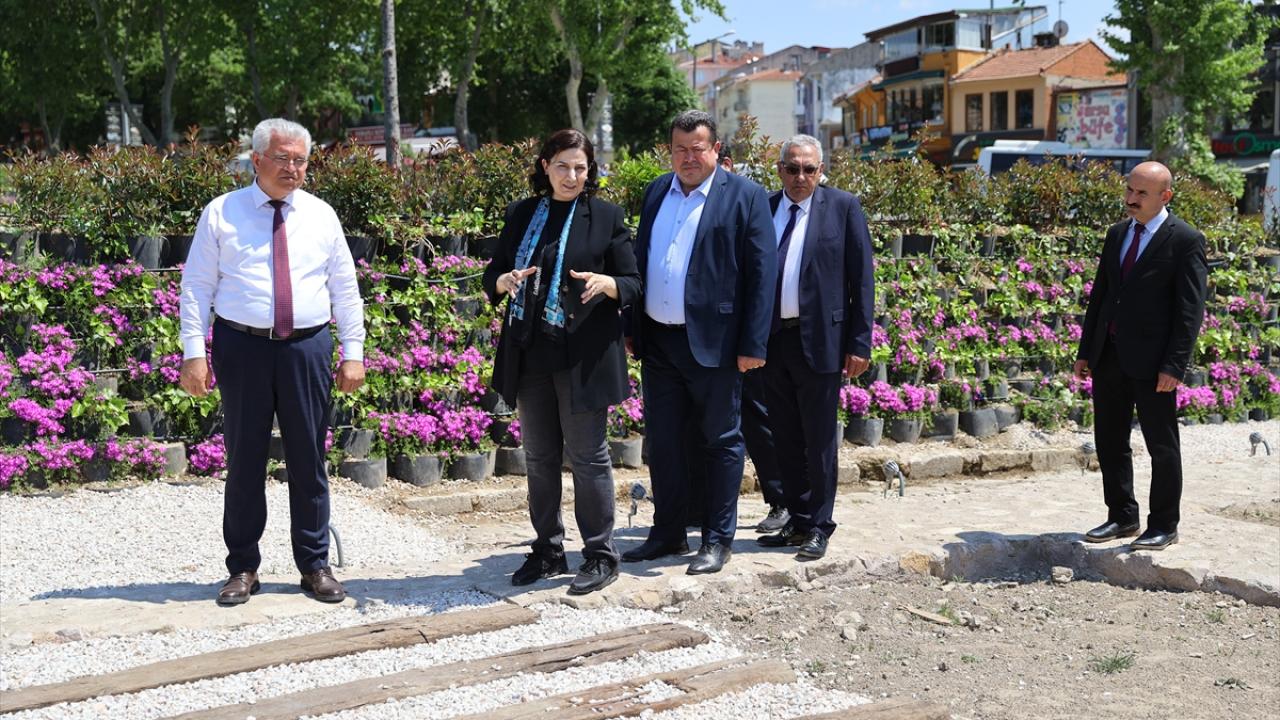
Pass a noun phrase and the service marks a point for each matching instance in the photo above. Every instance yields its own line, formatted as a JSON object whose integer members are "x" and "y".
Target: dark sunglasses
{"x": 796, "y": 169}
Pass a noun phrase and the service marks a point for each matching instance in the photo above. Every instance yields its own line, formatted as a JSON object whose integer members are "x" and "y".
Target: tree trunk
{"x": 574, "y": 57}
{"x": 251, "y": 62}
{"x": 460, "y": 122}
{"x": 598, "y": 100}
{"x": 172, "y": 57}
{"x": 117, "y": 76}
{"x": 390, "y": 85}
{"x": 52, "y": 133}
{"x": 291, "y": 103}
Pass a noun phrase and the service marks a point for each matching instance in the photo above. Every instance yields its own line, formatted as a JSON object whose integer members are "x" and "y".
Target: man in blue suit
{"x": 707, "y": 254}
{"x": 821, "y": 326}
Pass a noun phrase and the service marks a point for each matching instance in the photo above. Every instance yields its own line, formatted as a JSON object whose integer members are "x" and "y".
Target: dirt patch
{"x": 1029, "y": 648}
{"x": 1265, "y": 513}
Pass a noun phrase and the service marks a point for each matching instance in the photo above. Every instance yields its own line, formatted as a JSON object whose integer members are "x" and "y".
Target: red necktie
{"x": 281, "y": 286}
{"x": 1131, "y": 257}
{"x": 783, "y": 247}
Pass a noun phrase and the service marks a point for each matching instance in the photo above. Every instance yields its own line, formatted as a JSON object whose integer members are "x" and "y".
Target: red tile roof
{"x": 1033, "y": 61}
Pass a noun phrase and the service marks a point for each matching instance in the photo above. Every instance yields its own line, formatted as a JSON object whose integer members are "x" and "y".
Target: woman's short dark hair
{"x": 561, "y": 140}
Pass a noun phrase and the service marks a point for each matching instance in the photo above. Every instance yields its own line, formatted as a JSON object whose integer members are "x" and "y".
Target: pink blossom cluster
{"x": 209, "y": 456}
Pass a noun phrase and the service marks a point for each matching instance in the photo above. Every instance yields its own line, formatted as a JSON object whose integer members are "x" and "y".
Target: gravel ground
{"x": 160, "y": 533}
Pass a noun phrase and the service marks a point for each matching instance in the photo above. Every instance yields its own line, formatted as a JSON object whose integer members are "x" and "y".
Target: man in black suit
{"x": 1144, "y": 315}
{"x": 821, "y": 327}
{"x": 706, "y": 252}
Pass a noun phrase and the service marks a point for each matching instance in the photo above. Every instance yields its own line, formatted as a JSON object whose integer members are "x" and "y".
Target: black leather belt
{"x": 665, "y": 326}
{"x": 270, "y": 333}
{"x": 789, "y": 323}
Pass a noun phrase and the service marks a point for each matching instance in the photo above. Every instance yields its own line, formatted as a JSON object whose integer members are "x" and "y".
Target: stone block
{"x": 175, "y": 458}
{"x": 997, "y": 460}
{"x": 1053, "y": 459}
{"x": 500, "y": 500}
{"x": 848, "y": 474}
{"x": 441, "y": 504}
{"x": 936, "y": 467}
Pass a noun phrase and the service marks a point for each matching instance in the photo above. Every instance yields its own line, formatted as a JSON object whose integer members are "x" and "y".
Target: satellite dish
{"x": 1060, "y": 29}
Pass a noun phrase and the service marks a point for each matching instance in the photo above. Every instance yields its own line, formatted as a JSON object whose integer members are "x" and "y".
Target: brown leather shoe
{"x": 237, "y": 589}
{"x": 323, "y": 585}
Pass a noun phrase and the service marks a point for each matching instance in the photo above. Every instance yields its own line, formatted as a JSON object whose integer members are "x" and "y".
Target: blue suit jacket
{"x": 837, "y": 285}
{"x": 729, "y": 288}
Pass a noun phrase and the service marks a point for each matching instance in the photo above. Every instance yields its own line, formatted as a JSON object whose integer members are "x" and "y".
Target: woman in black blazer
{"x": 566, "y": 266}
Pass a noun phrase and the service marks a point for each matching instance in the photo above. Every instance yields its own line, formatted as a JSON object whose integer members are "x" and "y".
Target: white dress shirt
{"x": 790, "y": 307}
{"x": 1149, "y": 233}
{"x": 230, "y": 269}
{"x": 670, "y": 245}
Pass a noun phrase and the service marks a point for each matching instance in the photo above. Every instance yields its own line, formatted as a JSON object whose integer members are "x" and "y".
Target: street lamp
{"x": 694, "y": 51}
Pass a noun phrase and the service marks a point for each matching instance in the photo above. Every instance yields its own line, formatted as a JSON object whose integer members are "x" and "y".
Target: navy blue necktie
{"x": 783, "y": 247}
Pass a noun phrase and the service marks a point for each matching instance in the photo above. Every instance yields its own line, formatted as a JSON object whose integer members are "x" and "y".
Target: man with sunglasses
{"x": 269, "y": 266}
{"x": 706, "y": 253}
{"x": 821, "y": 329}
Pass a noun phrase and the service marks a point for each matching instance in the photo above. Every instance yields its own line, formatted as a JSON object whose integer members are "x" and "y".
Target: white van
{"x": 1271, "y": 196}
{"x": 1004, "y": 154}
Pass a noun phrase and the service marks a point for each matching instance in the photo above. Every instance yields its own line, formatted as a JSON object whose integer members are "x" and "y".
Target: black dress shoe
{"x": 777, "y": 519}
{"x": 711, "y": 558}
{"x": 788, "y": 536}
{"x": 538, "y": 566}
{"x": 653, "y": 548}
{"x": 1154, "y": 540}
{"x": 323, "y": 586}
{"x": 237, "y": 589}
{"x": 814, "y": 547}
{"x": 1110, "y": 531}
{"x": 594, "y": 574}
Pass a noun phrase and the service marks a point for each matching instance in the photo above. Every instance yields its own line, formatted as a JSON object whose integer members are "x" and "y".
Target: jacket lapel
{"x": 813, "y": 228}
{"x": 649, "y": 213}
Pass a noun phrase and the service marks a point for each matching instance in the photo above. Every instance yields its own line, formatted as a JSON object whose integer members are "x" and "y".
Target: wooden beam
{"x": 895, "y": 709}
{"x": 400, "y": 632}
{"x": 421, "y": 681}
{"x": 624, "y": 699}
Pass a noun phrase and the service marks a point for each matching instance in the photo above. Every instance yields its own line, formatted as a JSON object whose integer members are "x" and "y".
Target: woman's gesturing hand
{"x": 509, "y": 282}
{"x": 597, "y": 284}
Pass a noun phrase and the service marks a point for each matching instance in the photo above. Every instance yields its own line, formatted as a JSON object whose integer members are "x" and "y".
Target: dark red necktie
{"x": 281, "y": 286}
{"x": 783, "y": 248}
{"x": 1131, "y": 256}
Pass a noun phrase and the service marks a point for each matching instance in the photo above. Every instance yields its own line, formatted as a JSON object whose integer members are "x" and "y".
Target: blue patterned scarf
{"x": 553, "y": 313}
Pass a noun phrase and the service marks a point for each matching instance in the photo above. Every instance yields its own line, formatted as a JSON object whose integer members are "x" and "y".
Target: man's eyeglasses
{"x": 797, "y": 169}
{"x": 285, "y": 161}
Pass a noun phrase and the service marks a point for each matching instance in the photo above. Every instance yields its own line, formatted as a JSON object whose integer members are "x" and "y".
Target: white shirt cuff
{"x": 193, "y": 348}
{"x": 353, "y": 351}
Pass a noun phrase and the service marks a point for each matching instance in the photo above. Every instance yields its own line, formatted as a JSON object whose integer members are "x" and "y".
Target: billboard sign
{"x": 1093, "y": 118}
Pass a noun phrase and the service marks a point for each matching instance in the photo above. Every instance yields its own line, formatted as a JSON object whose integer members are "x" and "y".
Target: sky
{"x": 842, "y": 23}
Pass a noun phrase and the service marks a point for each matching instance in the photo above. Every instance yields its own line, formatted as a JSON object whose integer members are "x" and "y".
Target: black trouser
{"x": 547, "y": 424}
{"x": 758, "y": 438}
{"x": 291, "y": 380}
{"x": 1115, "y": 395}
{"x": 802, "y": 412}
{"x": 677, "y": 387}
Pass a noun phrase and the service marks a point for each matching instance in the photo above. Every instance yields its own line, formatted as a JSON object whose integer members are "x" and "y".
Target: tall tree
{"x": 51, "y": 68}
{"x": 1196, "y": 61}
{"x": 597, "y": 35}
{"x": 390, "y": 85}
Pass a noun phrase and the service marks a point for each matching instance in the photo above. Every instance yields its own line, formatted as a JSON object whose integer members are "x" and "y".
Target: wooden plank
{"x": 421, "y": 681}
{"x": 400, "y": 632}
{"x": 624, "y": 700}
{"x": 895, "y": 709}
{"x": 926, "y": 615}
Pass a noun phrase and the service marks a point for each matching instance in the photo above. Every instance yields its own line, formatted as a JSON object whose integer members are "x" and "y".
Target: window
{"x": 969, "y": 34}
{"x": 901, "y": 45}
{"x": 1024, "y": 109}
{"x": 940, "y": 36}
{"x": 933, "y": 103}
{"x": 973, "y": 113}
{"x": 1000, "y": 110}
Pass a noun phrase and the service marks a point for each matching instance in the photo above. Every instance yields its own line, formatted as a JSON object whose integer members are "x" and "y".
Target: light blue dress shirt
{"x": 670, "y": 246}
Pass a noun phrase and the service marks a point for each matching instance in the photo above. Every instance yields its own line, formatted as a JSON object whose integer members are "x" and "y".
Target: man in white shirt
{"x": 268, "y": 268}
{"x": 706, "y": 254}
{"x": 821, "y": 327}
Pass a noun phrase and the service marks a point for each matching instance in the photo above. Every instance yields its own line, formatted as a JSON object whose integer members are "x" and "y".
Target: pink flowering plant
{"x": 208, "y": 457}
{"x": 855, "y": 402}
{"x": 407, "y": 433}
{"x": 626, "y": 419}
{"x": 906, "y": 401}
